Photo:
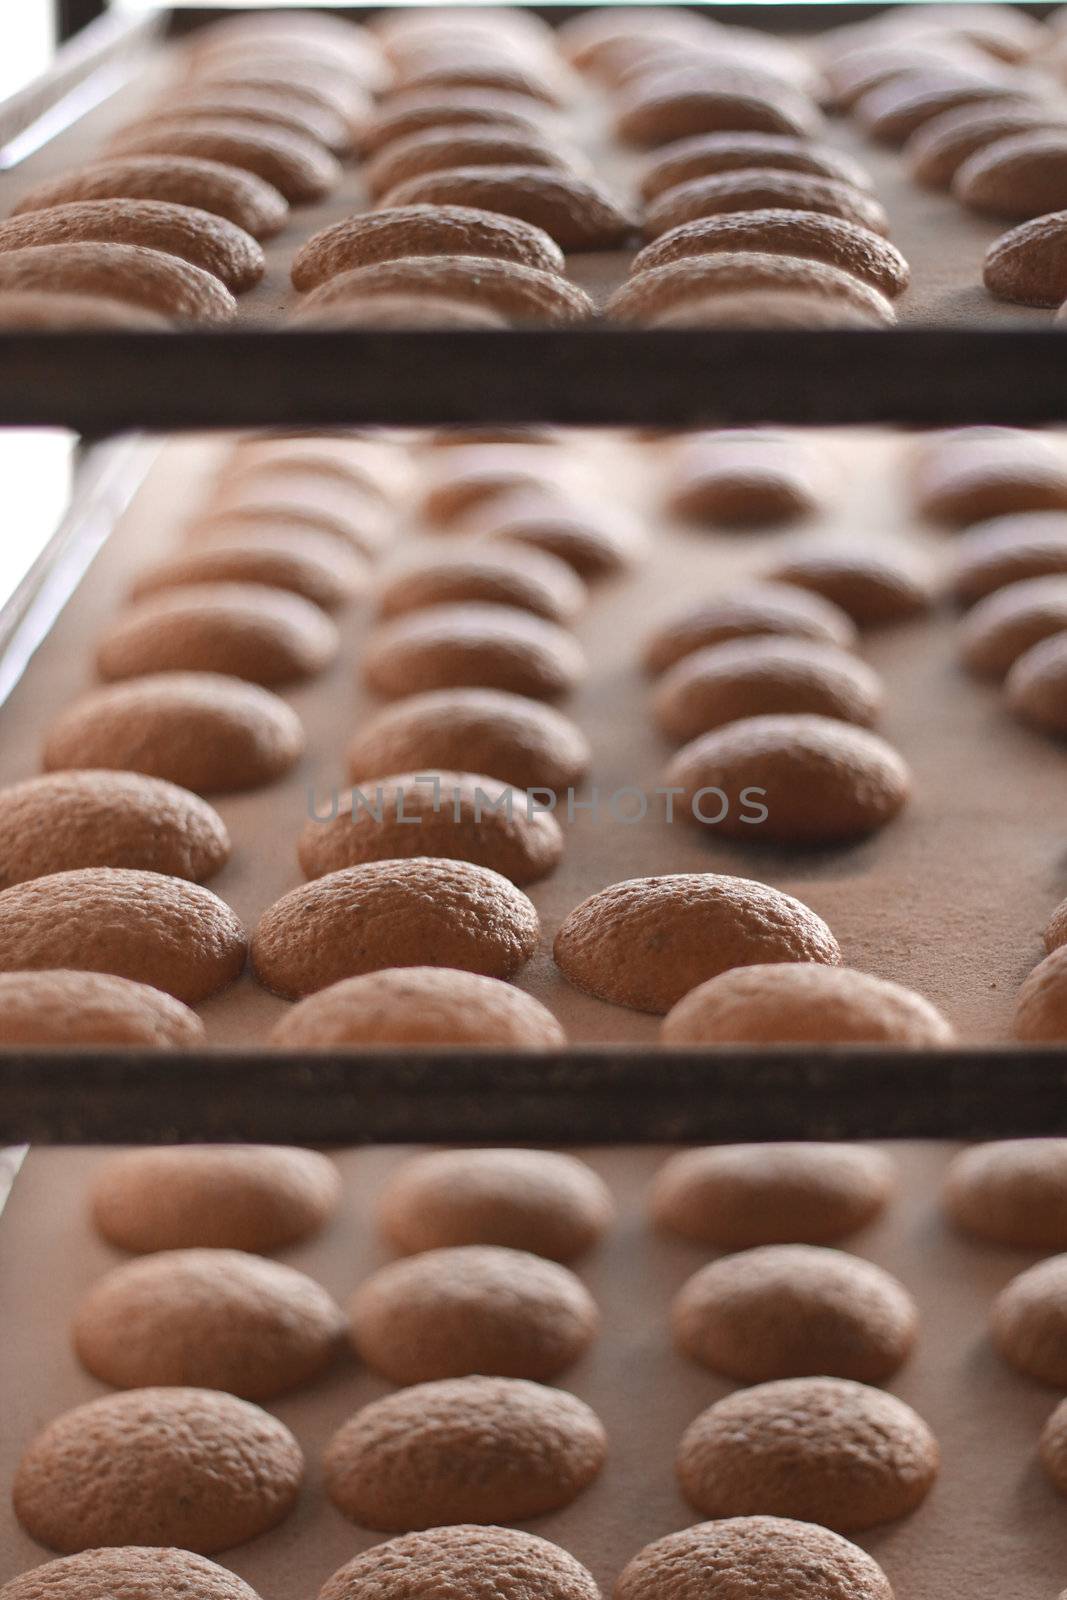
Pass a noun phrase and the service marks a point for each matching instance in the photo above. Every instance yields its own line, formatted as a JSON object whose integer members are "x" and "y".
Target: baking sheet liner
{"x": 992, "y": 1529}
{"x": 944, "y": 244}
{"x": 951, "y": 898}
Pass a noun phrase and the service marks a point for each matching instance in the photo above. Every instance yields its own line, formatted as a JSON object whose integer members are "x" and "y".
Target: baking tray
{"x": 951, "y": 899}
{"x": 958, "y": 356}
{"x": 992, "y": 1528}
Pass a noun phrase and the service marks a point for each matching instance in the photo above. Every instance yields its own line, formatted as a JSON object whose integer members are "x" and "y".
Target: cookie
{"x": 743, "y": 1556}
{"x": 218, "y": 1196}
{"x": 266, "y": 636}
{"x": 32, "y": 308}
{"x": 107, "y": 819}
{"x": 974, "y": 473}
{"x": 419, "y": 1005}
{"x": 577, "y": 213}
{"x": 207, "y": 241}
{"x": 936, "y": 150}
{"x": 128, "y": 1573}
{"x": 455, "y": 816}
{"x": 790, "y": 779}
{"x": 399, "y": 310}
{"x": 61, "y": 1008}
{"x": 758, "y": 676}
{"x": 215, "y": 1319}
{"x": 419, "y": 110}
{"x": 1011, "y": 1192}
{"x": 187, "y": 1467}
{"x": 823, "y": 1450}
{"x": 1052, "y": 1447}
{"x": 468, "y": 480}
{"x": 666, "y": 290}
{"x": 1015, "y": 178}
{"x": 478, "y": 1563}
{"x": 507, "y": 736}
{"x": 487, "y": 1450}
{"x": 764, "y": 308}
{"x": 312, "y": 565}
{"x": 208, "y": 733}
{"x": 1006, "y": 550}
{"x": 894, "y": 111}
{"x": 519, "y": 293}
{"x": 151, "y": 280}
{"x": 744, "y": 480}
{"x": 734, "y": 1197}
{"x": 329, "y": 119}
{"x": 1028, "y": 1322}
{"x": 1034, "y": 688}
{"x": 706, "y": 154}
{"x": 538, "y": 1200}
{"x": 660, "y": 109}
{"x": 301, "y": 169}
{"x": 646, "y": 942}
{"x": 423, "y": 912}
{"x": 471, "y": 145}
{"x": 758, "y": 190}
{"x": 755, "y": 609}
{"x": 873, "y": 588}
{"x": 792, "y": 1003}
{"x": 173, "y": 935}
{"x": 595, "y": 541}
{"x": 296, "y": 502}
{"x": 1009, "y": 622}
{"x": 1041, "y": 1004}
{"x": 212, "y": 186}
{"x": 472, "y": 646}
{"x": 419, "y": 229}
{"x": 521, "y": 576}
{"x": 794, "y": 1311}
{"x": 472, "y": 1309}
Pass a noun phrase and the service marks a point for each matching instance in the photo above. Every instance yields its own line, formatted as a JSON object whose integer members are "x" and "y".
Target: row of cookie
{"x": 165, "y": 227}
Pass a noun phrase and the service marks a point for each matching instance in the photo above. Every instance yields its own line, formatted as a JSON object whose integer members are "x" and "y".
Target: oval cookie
{"x": 63, "y": 1008}
{"x": 130, "y": 1572}
{"x": 669, "y": 287}
{"x": 212, "y": 186}
{"x": 709, "y": 153}
{"x": 149, "y": 279}
{"x": 479, "y": 1563}
{"x": 777, "y": 1554}
{"x": 519, "y": 293}
{"x": 749, "y": 612}
{"x": 472, "y": 646}
{"x": 300, "y": 169}
{"x": 756, "y": 190}
{"x": 578, "y": 213}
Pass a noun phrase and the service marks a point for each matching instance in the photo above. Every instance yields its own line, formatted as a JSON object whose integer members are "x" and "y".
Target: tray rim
{"x": 592, "y": 376}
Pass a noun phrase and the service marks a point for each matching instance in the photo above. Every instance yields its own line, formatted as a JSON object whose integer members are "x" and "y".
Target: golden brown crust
{"x": 761, "y": 189}
{"x": 469, "y": 1561}
{"x": 520, "y": 293}
{"x": 149, "y": 279}
{"x": 422, "y": 912}
{"x": 579, "y": 214}
{"x": 184, "y": 1467}
{"x": 811, "y": 235}
{"x": 204, "y": 240}
{"x": 670, "y": 286}
{"x": 476, "y": 1449}
{"x": 646, "y": 942}
{"x": 300, "y": 169}
{"x": 173, "y": 935}
{"x": 224, "y": 191}
{"x": 63, "y": 1008}
{"x": 784, "y": 1559}
{"x": 128, "y": 1573}
{"x": 472, "y": 646}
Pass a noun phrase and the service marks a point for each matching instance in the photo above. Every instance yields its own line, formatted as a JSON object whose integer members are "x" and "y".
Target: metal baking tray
{"x": 956, "y": 358}
{"x": 613, "y": 1083}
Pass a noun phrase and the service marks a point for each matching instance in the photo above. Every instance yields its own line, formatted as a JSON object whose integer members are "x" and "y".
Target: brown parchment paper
{"x": 944, "y": 244}
{"x": 951, "y": 899}
{"x": 992, "y": 1529}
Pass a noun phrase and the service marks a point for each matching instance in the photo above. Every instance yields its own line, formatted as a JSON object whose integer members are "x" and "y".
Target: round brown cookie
{"x": 968, "y": 475}
{"x": 646, "y": 942}
{"x": 755, "y": 609}
{"x": 708, "y": 153}
{"x": 743, "y": 479}
{"x": 1053, "y": 1447}
{"x": 763, "y": 675}
{"x": 989, "y": 556}
{"x": 216, "y": 1196}
{"x": 422, "y": 912}
{"x": 244, "y": 630}
{"x": 1036, "y": 686}
{"x": 795, "y": 1002}
{"x": 472, "y": 1309}
{"x": 869, "y": 586}
{"x": 211, "y": 734}
{"x": 794, "y": 1311}
{"x": 394, "y": 231}
{"x": 469, "y": 1561}
{"x": 1009, "y": 622}
{"x": 301, "y": 561}
{"x": 419, "y": 1005}
{"x": 107, "y": 819}
{"x": 472, "y": 646}
{"x": 524, "y": 577}
{"x": 507, "y": 736}
{"x": 64, "y": 1008}
{"x": 456, "y": 816}
{"x": 162, "y": 931}
{"x": 734, "y": 1197}
{"x": 816, "y": 780}
{"x": 823, "y": 1450}
{"x": 1011, "y": 1192}
{"x": 34, "y": 308}
{"x": 536, "y": 1200}
{"x": 1028, "y": 1322}
{"x": 774, "y": 1558}
{"x": 213, "y": 1319}
{"x": 207, "y": 241}
{"x": 186, "y": 1467}
{"x": 1041, "y": 1004}
{"x": 657, "y": 110}
{"x": 129, "y": 1572}
{"x": 594, "y": 540}
{"x": 463, "y": 1450}
{"x": 223, "y": 191}
{"x": 765, "y": 191}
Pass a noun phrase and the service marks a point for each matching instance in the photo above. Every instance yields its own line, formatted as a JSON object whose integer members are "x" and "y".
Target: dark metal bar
{"x": 74, "y": 15}
{"x": 101, "y": 384}
{"x": 579, "y": 1097}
